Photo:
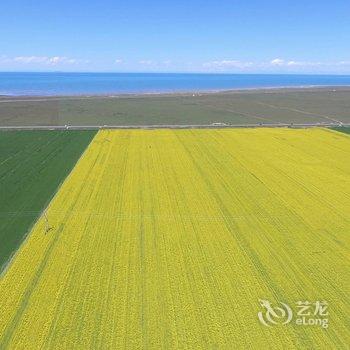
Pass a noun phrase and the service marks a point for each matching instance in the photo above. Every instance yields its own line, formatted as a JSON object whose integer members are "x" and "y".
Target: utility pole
{"x": 47, "y": 225}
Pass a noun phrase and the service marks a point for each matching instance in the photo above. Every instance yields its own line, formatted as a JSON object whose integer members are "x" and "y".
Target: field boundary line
{"x": 170, "y": 126}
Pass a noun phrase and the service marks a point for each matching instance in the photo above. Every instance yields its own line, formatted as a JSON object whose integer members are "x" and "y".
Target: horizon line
{"x": 171, "y": 72}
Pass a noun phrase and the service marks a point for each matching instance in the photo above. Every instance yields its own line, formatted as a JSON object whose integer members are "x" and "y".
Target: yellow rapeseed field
{"x": 172, "y": 239}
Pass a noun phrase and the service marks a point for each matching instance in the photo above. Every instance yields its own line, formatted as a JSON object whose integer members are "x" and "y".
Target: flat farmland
{"x": 274, "y": 106}
{"x": 169, "y": 239}
{"x": 344, "y": 130}
{"x": 32, "y": 166}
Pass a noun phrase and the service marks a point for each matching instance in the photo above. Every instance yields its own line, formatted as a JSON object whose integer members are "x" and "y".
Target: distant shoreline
{"x": 137, "y": 84}
{"x": 276, "y": 89}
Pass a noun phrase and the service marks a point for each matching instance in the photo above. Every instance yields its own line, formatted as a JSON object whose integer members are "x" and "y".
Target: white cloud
{"x": 57, "y": 60}
{"x": 30, "y": 59}
{"x": 42, "y": 60}
{"x": 293, "y": 63}
{"x": 275, "y": 65}
{"x": 227, "y": 64}
{"x": 277, "y": 62}
{"x": 307, "y": 64}
{"x": 285, "y": 63}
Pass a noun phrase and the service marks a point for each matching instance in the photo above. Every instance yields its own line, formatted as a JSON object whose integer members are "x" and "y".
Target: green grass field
{"x": 344, "y": 130}
{"x": 32, "y": 166}
{"x": 245, "y": 107}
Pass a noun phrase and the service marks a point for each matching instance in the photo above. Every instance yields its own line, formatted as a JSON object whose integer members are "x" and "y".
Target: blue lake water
{"x": 116, "y": 83}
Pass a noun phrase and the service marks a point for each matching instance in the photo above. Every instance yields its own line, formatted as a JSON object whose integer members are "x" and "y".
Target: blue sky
{"x": 238, "y": 36}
